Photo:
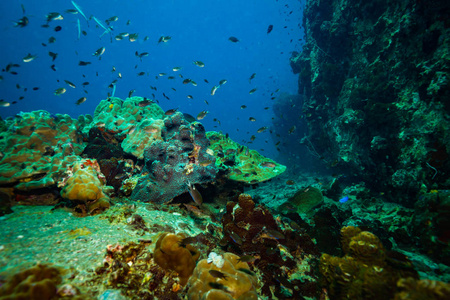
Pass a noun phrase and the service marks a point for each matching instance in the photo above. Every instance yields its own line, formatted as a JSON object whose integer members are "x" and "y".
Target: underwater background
{"x": 224, "y": 149}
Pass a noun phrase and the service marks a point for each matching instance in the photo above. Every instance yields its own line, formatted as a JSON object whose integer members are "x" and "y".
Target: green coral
{"x": 239, "y": 162}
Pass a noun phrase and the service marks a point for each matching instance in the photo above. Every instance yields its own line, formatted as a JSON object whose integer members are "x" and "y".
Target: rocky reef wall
{"x": 374, "y": 77}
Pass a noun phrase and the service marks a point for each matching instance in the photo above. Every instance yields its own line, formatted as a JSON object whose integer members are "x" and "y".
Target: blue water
{"x": 199, "y": 31}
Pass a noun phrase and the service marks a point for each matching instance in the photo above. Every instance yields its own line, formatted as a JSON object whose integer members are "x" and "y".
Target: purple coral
{"x": 171, "y": 163}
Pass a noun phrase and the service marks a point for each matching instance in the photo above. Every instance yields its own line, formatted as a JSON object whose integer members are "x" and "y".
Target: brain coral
{"x": 234, "y": 281}
{"x": 241, "y": 163}
{"x": 36, "y": 146}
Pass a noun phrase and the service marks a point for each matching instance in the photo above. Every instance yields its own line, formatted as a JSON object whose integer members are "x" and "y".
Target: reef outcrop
{"x": 374, "y": 78}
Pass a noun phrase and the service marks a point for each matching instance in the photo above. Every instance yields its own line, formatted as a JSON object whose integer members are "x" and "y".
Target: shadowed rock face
{"x": 173, "y": 162}
{"x": 374, "y": 80}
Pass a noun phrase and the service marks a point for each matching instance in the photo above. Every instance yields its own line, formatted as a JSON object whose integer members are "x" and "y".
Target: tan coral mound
{"x": 236, "y": 284}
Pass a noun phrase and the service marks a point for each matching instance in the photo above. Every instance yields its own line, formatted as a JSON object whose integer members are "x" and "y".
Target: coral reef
{"x": 130, "y": 268}
{"x": 367, "y": 271}
{"x": 84, "y": 187}
{"x": 36, "y": 283}
{"x": 233, "y": 280}
{"x": 171, "y": 163}
{"x": 411, "y": 288}
{"x": 284, "y": 257}
{"x": 171, "y": 254}
{"x": 374, "y": 77}
{"x": 240, "y": 163}
{"x": 36, "y": 146}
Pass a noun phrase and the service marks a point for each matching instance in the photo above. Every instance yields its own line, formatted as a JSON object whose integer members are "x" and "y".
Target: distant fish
{"x": 262, "y": 129}
{"x": 223, "y": 81}
{"x": 243, "y": 106}
{"x": 54, "y": 16}
{"x": 29, "y": 58}
{"x": 132, "y": 37}
{"x": 171, "y": 111}
{"x": 202, "y": 114}
{"x": 71, "y": 11}
{"x": 164, "y": 39}
{"x": 214, "y": 89}
{"x": 268, "y": 164}
{"x": 59, "y": 91}
{"x": 112, "y": 19}
{"x": 70, "y": 83}
{"x": 343, "y": 199}
{"x": 195, "y": 194}
{"x": 4, "y": 103}
{"x": 83, "y": 63}
{"x": 233, "y": 39}
{"x": 57, "y": 28}
{"x": 22, "y": 22}
{"x": 217, "y": 274}
{"x": 252, "y": 77}
{"x": 252, "y": 91}
{"x": 251, "y": 119}
{"x": 269, "y": 29}
{"x": 81, "y": 100}
{"x": 99, "y": 52}
{"x": 292, "y": 129}
{"x": 198, "y": 63}
{"x": 78, "y": 8}
{"x": 51, "y": 40}
{"x": 175, "y": 69}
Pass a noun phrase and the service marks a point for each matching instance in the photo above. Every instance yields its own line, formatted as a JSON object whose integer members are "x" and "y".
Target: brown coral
{"x": 170, "y": 255}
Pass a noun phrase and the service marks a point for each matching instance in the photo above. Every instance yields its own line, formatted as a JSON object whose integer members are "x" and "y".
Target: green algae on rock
{"x": 241, "y": 163}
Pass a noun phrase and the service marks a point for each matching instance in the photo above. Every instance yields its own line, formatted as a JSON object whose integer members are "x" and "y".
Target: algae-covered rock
{"x": 118, "y": 116}
{"x": 303, "y": 201}
{"x": 241, "y": 163}
{"x": 36, "y": 146}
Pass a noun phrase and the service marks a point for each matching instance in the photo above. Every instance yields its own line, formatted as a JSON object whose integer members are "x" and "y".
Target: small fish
{"x": 53, "y": 55}
{"x": 81, "y": 100}
{"x": 252, "y": 77}
{"x": 268, "y": 164}
{"x": 54, "y": 16}
{"x": 53, "y": 67}
{"x": 83, "y": 63}
{"x": 35, "y": 88}
{"x": 252, "y": 119}
{"x": 202, "y": 114}
{"x": 186, "y": 241}
{"x": 22, "y": 22}
{"x": 274, "y": 234}
{"x": 243, "y": 106}
{"x": 195, "y": 194}
{"x": 246, "y": 259}
{"x": 236, "y": 238}
{"x": 78, "y": 8}
{"x": 71, "y": 11}
{"x": 343, "y": 199}
{"x": 218, "y": 286}
{"x": 246, "y": 271}
{"x": 29, "y": 58}
{"x": 59, "y": 91}
{"x": 262, "y": 129}
{"x": 57, "y": 28}
{"x": 112, "y": 19}
{"x": 292, "y": 129}
{"x": 223, "y": 81}
{"x": 190, "y": 97}
{"x": 186, "y": 81}
{"x": 144, "y": 103}
{"x": 176, "y": 69}
{"x": 252, "y": 91}
{"x": 217, "y": 274}
{"x": 269, "y": 29}
{"x": 132, "y": 37}
{"x": 171, "y": 111}
{"x": 290, "y": 182}
{"x": 4, "y": 103}
{"x": 99, "y": 52}
{"x": 141, "y": 74}
{"x": 130, "y": 93}
{"x": 252, "y": 138}
{"x": 233, "y": 39}
{"x": 171, "y": 77}
{"x": 85, "y": 83}
{"x": 164, "y": 39}
{"x": 70, "y": 83}
{"x": 198, "y": 63}
{"x": 51, "y": 40}
{"x": 214, "y": 89}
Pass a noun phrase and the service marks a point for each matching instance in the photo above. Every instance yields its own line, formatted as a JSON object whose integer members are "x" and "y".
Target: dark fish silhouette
{"x": 269, "y": 29}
